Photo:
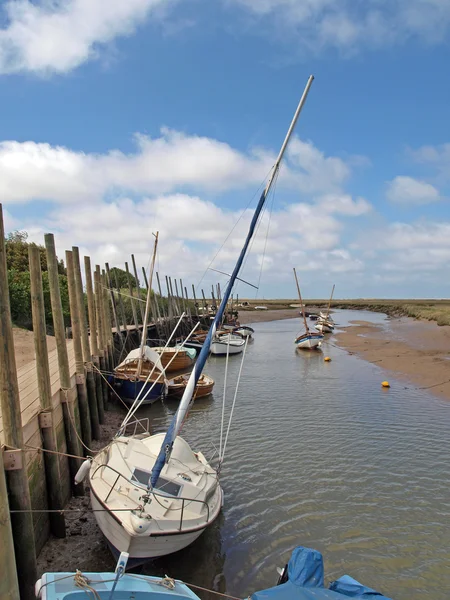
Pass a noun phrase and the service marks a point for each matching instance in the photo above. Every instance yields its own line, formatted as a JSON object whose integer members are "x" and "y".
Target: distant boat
{"x": 244, "y": 331}
{"x": 309, "y": 340}
{"x": 260, "y": 307}
{"x": 313, "y": 317}
{"x": 177, "y": 385}
{"x": 325, "y": 323}
{"x": 227, "y": 344}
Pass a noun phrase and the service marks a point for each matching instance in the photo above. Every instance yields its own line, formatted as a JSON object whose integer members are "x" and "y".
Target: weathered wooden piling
{"x": 87, "y": 357}
{"x": 108, "y": 320}
{"x": 141, "y": 308}
{"x": 69, "y": 402}
{"x": 85, "y": 417}
{"x": 93, "y": 339}
{"x": 103, "y": 348}
{"x": 15, "y": 464}
{"x": 46, "y": 417}
{"x": 121, "y": 306}
{"x": 9, "y": 584}
{"x": 132, "y": 298}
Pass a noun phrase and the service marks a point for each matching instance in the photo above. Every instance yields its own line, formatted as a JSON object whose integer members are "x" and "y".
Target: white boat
{"x": 325, "y": 317}
{"x": 155, "y": 495}
{"x": 244, "y": 331}
{"x": 227, "y": 344}
{"x": 310, "y": 340}
{"x": 324, "y": 327}
{"x": 186, "y": 498}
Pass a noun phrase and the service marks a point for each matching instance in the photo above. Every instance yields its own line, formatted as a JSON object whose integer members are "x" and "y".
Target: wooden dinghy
{"x": 177, "y": 385}
{"x": 184, "y": 358}
{"x": 130, "y": 377}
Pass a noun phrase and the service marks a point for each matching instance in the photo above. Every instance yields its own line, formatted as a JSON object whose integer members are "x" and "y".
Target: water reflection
{"x": 320, "y": 455}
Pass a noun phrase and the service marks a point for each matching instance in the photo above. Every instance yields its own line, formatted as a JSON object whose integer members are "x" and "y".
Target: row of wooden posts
{"x": 96, "y": 346}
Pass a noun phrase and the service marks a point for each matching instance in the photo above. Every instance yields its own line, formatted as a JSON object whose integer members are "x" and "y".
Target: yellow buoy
{"x": 327, "y": 359}
{"x": 385, "y": 384}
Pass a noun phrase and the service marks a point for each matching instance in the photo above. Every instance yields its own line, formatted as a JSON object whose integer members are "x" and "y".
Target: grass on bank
{"x": 430, "y": 310}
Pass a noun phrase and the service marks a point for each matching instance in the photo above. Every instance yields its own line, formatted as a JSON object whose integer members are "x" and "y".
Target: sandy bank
{"x": 416, "y": 351}
{"x": 24, "y": 346}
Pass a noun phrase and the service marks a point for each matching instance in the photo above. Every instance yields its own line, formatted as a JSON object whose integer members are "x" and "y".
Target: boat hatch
{"x": 165, "y": 486}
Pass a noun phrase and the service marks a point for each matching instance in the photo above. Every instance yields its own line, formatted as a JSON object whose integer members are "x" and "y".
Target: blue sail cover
{"x": 305, "y": 582}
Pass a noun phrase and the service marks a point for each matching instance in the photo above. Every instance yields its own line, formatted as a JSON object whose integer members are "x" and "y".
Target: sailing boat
{"x": 325, "y": 323}
{"x": 152, "y": 494}
{"x": 310, "y": 339}
{"x": 142, "y": 369}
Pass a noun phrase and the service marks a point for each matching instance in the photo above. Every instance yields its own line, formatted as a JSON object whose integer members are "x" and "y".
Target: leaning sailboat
{"x": 141, "y": 373}
{"x": 325, "y": 323}
{"x": 309, "y": 340}
{"x": 152, "y": 494}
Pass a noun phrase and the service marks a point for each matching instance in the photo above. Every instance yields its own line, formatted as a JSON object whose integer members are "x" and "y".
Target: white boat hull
{"x": 140, "y": 548}
{"x": 222, "y": 348}
{"x": 310, "y": 343}
{"x": 323, "y": 328}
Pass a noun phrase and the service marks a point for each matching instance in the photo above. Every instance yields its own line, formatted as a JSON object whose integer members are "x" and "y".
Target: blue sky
{"x": 121, "y": 118}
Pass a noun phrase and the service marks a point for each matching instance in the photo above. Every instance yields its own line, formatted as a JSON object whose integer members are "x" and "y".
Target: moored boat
{"x": 227, "y": 344}
{"x": 179, "y": 358}
{"x": 140, "y": 375}
{"x": 177, "y": 385}
{"x": 310, "y": 340}
{"x": 243, "y": 331}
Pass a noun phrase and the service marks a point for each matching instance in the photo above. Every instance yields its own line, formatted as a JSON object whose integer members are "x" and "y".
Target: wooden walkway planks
{"x": 28, "y": 385}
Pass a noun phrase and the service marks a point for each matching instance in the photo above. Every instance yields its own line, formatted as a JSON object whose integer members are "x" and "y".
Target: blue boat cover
{"x": 305, "y": 582}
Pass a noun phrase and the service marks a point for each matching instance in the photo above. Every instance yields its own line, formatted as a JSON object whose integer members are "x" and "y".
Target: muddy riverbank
{"x": 412, "y": 350}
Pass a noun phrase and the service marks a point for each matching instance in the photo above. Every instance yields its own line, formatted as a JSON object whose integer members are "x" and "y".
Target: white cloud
{"x": 59, "y": 35}
{"x": 191, "y": 232}
{"x": 31, "y": 170}
{"x": 407, "y": 190}
{"x": 348, "y": 25}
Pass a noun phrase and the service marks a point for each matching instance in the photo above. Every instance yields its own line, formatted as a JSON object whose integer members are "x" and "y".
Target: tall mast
{"x": 185, "y": 402}
{"x": 147, "y": 309}
{"x": 329, "y": 303}
{"x": 301, "y": 301}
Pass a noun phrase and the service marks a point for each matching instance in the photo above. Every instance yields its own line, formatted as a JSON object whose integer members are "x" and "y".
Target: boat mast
{"x": 185, "y": 402}
{"x": 147, "y": 310}
{"x": 301, "y": 301}
{"x": 329, "y": 303}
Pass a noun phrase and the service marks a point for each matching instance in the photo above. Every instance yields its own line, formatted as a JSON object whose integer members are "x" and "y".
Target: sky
{"x": 123, "y": 118}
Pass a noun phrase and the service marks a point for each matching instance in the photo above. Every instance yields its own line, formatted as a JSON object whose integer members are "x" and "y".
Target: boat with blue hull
{"x": 310, "y": 340}
{"x": 140, "y": 375}
{"x": 301, "y": 579}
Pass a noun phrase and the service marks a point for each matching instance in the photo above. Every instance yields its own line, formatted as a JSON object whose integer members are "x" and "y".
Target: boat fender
{"x": 139, "y": 523}
{"x": 38, "y": 588}
{"x": 83, "y": 471}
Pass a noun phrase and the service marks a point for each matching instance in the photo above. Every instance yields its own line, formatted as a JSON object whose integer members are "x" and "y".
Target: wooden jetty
{"x": 52, "y": 408}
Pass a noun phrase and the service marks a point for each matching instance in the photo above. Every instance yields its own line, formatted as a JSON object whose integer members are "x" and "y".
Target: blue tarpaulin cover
{"x": 305, "y": 573}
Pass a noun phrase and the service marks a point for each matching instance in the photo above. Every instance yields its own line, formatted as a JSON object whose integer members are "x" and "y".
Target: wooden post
{"x": 85, "y": 417}
{"x": 46, "y": 419}
{"x": 9, "y": 584}
{"x": 145, "y": 277}
{"x": 113, "y": 300}
{"x": 137, "y": 287}
{"x": 160, "y": 294}
{"x": 169, "y": 301}
{"x": 90, "y": 382}
{"x": 195, "y": 301}
{"x": 121, "y": 306}
{"x": 17, "y": 478}
{"x": 205, "y": 309}
{"x": 103, "y": 351}
{"x": 93, "y": 328}
{"x": 108, "y": 319}
{"x": 72, "y": 442}
{"x": 132, "y": 300}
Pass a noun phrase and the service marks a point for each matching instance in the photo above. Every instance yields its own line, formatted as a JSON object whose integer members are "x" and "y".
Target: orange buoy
{"x": 385, "y": 384}
{"x": 327, "y": 359}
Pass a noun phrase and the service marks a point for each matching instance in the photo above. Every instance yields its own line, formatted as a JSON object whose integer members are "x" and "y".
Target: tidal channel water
{"x": 320, "y": 455}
